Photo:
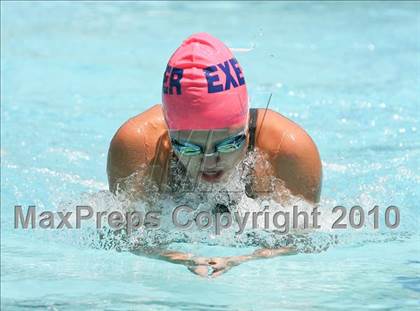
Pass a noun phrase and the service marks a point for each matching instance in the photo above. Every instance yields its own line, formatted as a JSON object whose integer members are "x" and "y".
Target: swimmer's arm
{"x": 221, "y": 265}
{"x": 264, "y": 253}
{"x": 197, "y": 265}
{"x": 176, "y": 257}
{"x": 126, "y": 161}
{"x": 298, "y": 164}
{"x": 201, "y": 265}
{"x": 217, "y": 265}
{"x": 189, "y": 259}
{"x": 138, "y": 155}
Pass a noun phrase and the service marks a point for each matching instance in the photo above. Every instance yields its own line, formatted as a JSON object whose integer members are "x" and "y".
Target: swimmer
{"x": 205, "y": 126}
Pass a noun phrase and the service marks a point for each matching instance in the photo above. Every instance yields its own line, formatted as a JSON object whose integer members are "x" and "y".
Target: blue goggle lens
{"x": 229, "y": 145}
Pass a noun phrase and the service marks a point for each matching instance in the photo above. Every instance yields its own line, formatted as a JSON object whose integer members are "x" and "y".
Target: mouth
{"x": 212, "y": 176}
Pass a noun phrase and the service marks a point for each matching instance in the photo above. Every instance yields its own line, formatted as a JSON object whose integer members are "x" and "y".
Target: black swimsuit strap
{"x": 252, "y": 125}
{"x": 253, "y": 115}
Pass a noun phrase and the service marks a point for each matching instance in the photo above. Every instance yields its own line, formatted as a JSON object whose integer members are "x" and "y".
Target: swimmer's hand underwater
{"x": 212, "y": 266}
{"x": 220, "y": 265}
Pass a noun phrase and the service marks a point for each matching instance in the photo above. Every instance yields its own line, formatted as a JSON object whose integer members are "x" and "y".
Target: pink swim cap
{"x": 204, "y": 87}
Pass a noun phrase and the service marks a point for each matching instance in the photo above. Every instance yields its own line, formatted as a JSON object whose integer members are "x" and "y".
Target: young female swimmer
{"x": 206, "y": 126}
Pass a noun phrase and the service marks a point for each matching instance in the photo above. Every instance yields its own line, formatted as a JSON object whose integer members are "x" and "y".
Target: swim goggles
{"x": 228, "y": 145}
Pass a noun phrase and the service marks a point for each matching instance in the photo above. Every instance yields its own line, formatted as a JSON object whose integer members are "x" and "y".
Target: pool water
{"x": 347, "y": 72}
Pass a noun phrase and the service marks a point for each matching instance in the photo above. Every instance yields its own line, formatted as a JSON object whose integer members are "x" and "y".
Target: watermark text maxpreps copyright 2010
{"x": 185, "y": 217}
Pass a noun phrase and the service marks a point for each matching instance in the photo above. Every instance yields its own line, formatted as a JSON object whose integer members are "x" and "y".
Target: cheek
{"x": 191, "y": 163}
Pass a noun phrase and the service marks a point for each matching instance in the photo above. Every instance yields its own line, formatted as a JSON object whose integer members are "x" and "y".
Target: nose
{"x": 210, "y": 161}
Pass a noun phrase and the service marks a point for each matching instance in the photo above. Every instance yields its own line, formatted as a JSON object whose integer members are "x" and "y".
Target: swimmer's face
{"x": 210, "y": 155}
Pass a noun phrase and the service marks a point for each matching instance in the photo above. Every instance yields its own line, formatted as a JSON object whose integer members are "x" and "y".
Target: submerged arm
{"x": 197, "y": 265}
{"x": 210, "y": 266}
{"x": 221, "y": 265}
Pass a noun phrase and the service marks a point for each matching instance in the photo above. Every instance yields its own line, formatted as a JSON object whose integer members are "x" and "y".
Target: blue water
{"x": 72, "y": 73}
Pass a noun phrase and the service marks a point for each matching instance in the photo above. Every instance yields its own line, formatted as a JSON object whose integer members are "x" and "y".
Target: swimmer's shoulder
{"x": 150, "y": 118}
{"x": 276, "y": 134}
{"x": 292, "y": 152}
{"x": 146, "y": 127}
{"x": 137, "y": 142}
